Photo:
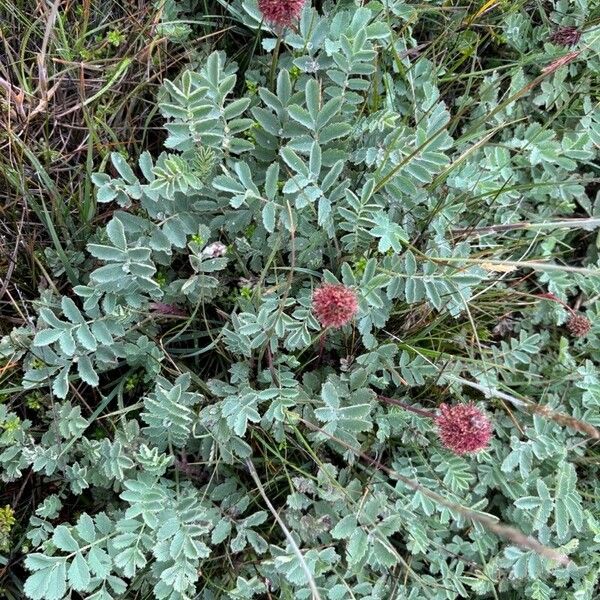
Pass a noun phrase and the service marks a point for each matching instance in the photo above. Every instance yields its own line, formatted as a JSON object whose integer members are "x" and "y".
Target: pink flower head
{"x": 566, "y": 36}
{"x": 463, "y": 428}
{"x": 280, "y": 12}
{"x": 578, "y": 325}
{"x": 214, "y": 250}
{"x": 334, "y": 304}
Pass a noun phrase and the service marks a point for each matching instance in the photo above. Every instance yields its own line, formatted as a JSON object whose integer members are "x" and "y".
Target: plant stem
{"x": 274, "y": 61}
{"x": 418, "y": 411}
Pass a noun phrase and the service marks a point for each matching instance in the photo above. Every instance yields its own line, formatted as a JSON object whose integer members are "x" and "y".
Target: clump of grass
{"x": 77, "y": 82}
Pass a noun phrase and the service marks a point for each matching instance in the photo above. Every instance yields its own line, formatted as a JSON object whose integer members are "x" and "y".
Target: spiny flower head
{"x": 578, "y": 325}
{"x": 463, "y": 428}
{"x": 280, "y": 12}
{"x": 566, "y": 36}
{"x": 334, "y": 304}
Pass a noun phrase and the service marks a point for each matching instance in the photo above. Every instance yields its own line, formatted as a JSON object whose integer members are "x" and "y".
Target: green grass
{"x": 80, "y": 83}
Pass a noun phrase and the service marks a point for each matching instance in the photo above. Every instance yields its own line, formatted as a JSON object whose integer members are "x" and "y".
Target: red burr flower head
{"x": 463, "y": 428}
{"x": 334, "y": 304}
{"x": 578, "y": 325}
{"x": 280, "y": 12}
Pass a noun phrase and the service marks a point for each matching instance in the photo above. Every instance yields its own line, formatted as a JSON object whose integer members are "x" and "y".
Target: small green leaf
{"x": 221, "y": 531}
{"x": 86, "y": 371}
{"x": 357, "y": 546}
{"x": 79, "y": 573}
{"x": 268, "y": 216}
{"x": 345, "y": 527}
{"x": 61, "y": 383}
{"x": 63, "y": 539}
{"x": 85, "y": 528}
{"x": 123, "y": 168}
{"x": 271, "y": 178}
{"x": 99, "y": 562}
{"x": 45, "y": 337}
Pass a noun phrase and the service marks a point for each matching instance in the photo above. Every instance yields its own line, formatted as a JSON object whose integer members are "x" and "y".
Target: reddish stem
{"x": 418, "y": 411}
{"x": 553, "y": 298}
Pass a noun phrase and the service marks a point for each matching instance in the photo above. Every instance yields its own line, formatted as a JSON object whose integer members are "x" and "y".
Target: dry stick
{"x": 506, "y": 531}
{"x": 587, "y": 224}
{"x": 288, "y": 535}
{"x": 12, "y": 261}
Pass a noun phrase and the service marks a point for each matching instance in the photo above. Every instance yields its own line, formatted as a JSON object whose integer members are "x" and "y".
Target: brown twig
{"x": 418, "y": 411}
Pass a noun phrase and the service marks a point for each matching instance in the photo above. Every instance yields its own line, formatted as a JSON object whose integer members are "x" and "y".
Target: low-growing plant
{"x": 319, "y": 349}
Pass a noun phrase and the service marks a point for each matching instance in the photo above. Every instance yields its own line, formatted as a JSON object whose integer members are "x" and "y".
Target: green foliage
{"x": 187, "y": 350}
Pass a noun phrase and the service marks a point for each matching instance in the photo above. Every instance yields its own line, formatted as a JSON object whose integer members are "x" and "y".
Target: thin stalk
{"x": 286, "y": 532}
{"x": 418, "y": 411}
{"x": 274, "y": 61}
